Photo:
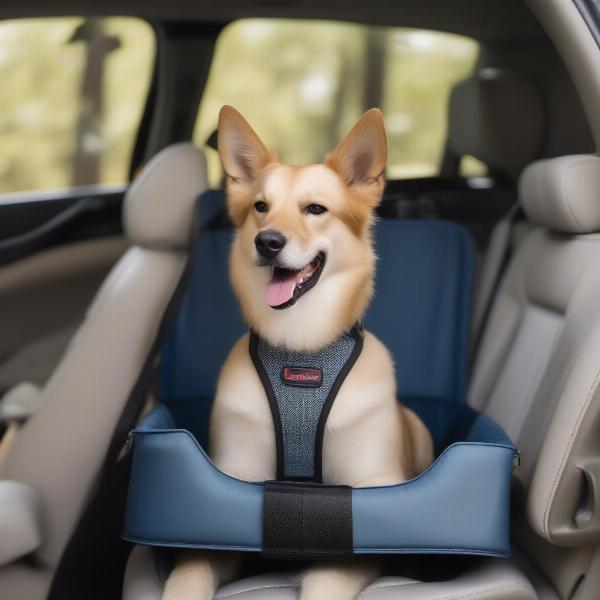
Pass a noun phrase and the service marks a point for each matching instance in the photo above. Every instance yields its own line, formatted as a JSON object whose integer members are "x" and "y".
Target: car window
{"x": 73, "y": 92}
{"x": 303, "y": 84}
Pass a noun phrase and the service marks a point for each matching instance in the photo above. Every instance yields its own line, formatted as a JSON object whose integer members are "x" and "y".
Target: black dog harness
{"x": 301, "y": 388}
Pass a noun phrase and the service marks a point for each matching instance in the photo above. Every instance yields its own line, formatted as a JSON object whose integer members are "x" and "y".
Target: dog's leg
{"x": 197, "y": 575}
{"x": 338, "y": 581}
{"x": 242, "y": 443}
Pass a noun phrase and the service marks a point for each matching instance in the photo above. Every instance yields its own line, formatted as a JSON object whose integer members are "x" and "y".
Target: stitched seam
{"x": 563, "y": 199}
{"x": 385, "y": 586}
{"x": 568, "y": 209}
{"x": 512, "y": 586}
{"x": 476, "y": 594}
{"x": 428, "y": 473}
{"x": 264, "y": 587}
{"x": 483, "y": 593}
{"x": 566, "y": 454}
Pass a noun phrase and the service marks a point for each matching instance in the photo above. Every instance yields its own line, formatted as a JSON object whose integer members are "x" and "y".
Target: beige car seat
{"x": 49, "y": 472}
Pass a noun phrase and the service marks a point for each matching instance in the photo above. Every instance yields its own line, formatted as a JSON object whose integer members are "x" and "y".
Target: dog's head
{"x": 302, "y": 261}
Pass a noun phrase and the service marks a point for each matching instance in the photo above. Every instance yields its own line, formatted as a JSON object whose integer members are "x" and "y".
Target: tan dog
{"x": 303, "y": 245}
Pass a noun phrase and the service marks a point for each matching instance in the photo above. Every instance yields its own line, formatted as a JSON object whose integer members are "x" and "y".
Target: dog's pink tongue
{"x": 280, "y": 289}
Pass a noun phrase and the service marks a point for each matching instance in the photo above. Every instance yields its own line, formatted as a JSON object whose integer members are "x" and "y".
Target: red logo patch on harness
{"x": 302, "y": 376}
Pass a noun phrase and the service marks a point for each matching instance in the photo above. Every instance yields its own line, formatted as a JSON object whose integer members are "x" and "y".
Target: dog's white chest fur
{"x": 363, "y": 442}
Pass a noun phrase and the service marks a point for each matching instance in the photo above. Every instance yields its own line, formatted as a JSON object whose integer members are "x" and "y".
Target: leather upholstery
{"x": 496, "y": 579}
{"x": 161, "y": 201}
{"x": 537, "y": 371}
{"x": 506, "y": 236}
{"x": 22, "y": 580}
{"x": 497, "y": 116}
{"x": 561, "y": 193}
{"x": 19, "y": 531}
{"x": 60, "y": 450}
{"x": 90, "y": 385}
{"x": 50, "y": 291}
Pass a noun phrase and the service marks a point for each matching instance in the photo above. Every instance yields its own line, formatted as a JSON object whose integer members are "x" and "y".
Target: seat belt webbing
{"x": 493, "y": 271}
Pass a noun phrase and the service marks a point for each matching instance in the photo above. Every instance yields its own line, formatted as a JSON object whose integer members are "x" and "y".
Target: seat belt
{"x": 498, "y": 257}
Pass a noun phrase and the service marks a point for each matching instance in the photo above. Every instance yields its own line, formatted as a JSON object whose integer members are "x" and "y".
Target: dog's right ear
{"x": 242, "y": 153}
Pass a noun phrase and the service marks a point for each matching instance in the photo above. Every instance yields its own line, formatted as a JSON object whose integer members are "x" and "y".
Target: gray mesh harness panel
{"x": 300, "y": 408}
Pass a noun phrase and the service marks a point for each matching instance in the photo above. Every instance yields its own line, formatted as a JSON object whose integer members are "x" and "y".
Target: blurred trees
{"x": 73, "y": 91}
{"x": 70, "y": 100}
{"x": 303, "y": 84}
{"x": 98, "y": 45}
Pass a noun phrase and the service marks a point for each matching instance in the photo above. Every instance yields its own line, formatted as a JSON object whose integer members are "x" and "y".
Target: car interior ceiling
{"x": 511, "y": 39}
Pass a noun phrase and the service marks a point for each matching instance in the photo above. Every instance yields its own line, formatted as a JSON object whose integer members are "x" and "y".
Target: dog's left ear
{"x": 360, "y": 157}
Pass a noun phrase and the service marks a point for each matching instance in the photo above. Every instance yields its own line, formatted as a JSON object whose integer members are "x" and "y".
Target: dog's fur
{"x": 370, "y": 439}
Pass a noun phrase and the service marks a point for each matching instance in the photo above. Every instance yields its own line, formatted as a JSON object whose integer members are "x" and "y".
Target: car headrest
{"x": 497, "y": 116}
{"x": 160, "y": 205}
{"x": 563, "y": 194}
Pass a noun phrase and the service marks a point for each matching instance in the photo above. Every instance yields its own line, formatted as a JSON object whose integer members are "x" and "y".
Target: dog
{"x": 302, "y": 265}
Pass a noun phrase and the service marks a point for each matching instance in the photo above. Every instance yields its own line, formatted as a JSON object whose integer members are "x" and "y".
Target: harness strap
{"x": 301, "y": 388}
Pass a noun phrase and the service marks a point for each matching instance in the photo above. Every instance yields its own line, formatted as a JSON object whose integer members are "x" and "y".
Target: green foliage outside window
{"x": 303, "y": 84}
{"x": 73, "y": 92}
{"x": 74, "y": 89}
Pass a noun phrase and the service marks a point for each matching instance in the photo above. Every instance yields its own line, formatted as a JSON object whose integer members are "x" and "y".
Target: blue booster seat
{"x": 421, "y": 310}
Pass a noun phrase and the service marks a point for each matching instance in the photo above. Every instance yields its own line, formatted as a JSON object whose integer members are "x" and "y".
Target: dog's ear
{"x": 361, "y": 156}
{"x": 242, "y": 153}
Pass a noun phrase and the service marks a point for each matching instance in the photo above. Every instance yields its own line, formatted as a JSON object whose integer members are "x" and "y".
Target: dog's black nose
{"x": 269, "y": 243}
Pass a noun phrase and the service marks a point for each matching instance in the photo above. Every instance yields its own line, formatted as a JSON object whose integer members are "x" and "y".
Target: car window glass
{"x": 73, "y": 92}
{"x": 303, "y": 84}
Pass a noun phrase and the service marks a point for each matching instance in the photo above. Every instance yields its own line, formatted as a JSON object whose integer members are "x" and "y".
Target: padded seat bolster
{"x": 162, "y": 199}
{"x": 178, "y": 498}
{"x": 490, "y": 579}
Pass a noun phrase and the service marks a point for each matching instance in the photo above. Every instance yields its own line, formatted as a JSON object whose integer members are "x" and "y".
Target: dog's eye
{"x": 261, "y": 206}
{"x": 315, "y": 209}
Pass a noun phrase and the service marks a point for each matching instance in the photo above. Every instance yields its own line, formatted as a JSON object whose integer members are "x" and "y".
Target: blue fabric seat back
{"x": 421, "y": 306}
{"x": 420, "y": 311}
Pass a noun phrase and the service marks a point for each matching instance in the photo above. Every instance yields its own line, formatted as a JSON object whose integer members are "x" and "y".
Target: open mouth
{"x": 287, "y": 285}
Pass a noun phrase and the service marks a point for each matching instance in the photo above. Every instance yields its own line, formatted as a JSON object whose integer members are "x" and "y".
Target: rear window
{"x": 73, "y": 93}
{"x": 303, "y": 84}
